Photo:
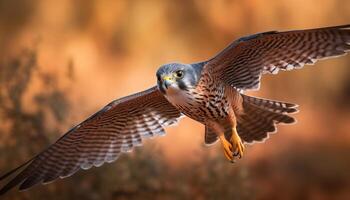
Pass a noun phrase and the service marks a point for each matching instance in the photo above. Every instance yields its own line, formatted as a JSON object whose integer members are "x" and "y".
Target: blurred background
{"x": 61, "y": 61}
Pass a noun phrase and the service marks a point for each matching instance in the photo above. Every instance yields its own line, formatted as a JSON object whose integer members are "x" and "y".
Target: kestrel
{"x": 210, "y": 92}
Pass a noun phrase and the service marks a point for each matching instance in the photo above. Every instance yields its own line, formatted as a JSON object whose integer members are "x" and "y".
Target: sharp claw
{"x": 233, "y": 149}
{"x": 228, "y": 154}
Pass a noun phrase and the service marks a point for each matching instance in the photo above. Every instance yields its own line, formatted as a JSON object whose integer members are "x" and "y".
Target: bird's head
{"x": 175, "y": 77}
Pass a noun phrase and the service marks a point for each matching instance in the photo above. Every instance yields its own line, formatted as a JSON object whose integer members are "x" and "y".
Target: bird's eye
{"x": 179, "y": 74}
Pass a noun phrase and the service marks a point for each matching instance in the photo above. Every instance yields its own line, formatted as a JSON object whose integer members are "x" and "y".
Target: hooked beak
{"x": 167, "y": 81}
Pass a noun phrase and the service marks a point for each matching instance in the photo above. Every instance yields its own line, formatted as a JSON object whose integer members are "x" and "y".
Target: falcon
{"x": 210, "y": 92}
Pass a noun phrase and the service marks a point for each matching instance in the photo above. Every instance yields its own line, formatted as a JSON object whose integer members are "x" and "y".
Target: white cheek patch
{"x": 178, "y": 97}
{"x": 173, "y": 90}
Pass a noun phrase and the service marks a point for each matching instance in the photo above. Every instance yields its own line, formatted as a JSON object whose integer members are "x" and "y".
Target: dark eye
{"x": 179, "y": 74}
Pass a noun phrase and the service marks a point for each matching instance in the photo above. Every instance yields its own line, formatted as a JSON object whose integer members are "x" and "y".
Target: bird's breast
{"x": 180, "y": 97}
{"x": 200, "y": 105}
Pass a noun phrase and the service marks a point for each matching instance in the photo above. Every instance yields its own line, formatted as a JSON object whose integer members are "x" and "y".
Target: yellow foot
{"x": 237, "y": 144}
{"x": 233, "y": 148}
{"x": 227, "y": 149}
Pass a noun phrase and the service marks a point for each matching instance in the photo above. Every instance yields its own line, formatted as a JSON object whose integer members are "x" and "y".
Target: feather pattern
{"x": 243, "y": 62}
{"x": 117, "y": 128}
{"x": 261, "y": 116}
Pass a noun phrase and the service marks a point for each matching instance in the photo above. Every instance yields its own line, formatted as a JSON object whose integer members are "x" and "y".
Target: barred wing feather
{"x": 101, "y": 138}
{"x": 243, "y": 62}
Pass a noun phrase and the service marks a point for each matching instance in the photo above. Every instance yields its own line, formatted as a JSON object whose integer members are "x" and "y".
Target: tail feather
{"x": 210, "y": 136}
{"x": 271, "y": 105}
{"x": 261, "y": 116}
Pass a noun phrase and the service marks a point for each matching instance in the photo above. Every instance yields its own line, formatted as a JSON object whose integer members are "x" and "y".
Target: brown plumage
{"x": 209, "y": 92}
{"x": 101, "y": 138}
{"x": 258, "y": 119}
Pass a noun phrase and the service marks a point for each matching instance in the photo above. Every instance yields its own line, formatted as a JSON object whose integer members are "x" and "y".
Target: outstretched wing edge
{"x": 242, "y": 63}
{"x": 101, "y": 138}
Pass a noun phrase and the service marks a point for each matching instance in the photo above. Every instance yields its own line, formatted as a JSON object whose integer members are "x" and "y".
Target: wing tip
{"x": 343, "y": 27}
{"x": 18, "y": 179}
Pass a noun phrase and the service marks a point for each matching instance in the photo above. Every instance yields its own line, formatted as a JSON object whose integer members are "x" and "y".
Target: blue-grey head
{"x": 178, "y": 77}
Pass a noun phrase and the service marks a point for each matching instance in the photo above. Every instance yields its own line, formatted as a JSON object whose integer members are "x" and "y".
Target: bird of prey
{"x": 210, "y": 92}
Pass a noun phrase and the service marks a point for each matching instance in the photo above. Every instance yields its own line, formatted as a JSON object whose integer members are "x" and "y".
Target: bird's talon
{"x": 238, "y": 145}
{"x": 233, "y": 148}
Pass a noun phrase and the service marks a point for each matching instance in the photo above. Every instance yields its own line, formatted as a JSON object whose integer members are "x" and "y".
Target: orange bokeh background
{"x": 115, "y": 48}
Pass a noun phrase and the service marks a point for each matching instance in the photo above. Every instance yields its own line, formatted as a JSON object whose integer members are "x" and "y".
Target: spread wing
{"x": 101, "y": 138}
{"x": 243, "y": 62}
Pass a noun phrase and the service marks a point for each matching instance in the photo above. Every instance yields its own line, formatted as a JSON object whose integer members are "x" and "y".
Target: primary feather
{"x": 243, "y": 62}
{"x": 101, "y": 138}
